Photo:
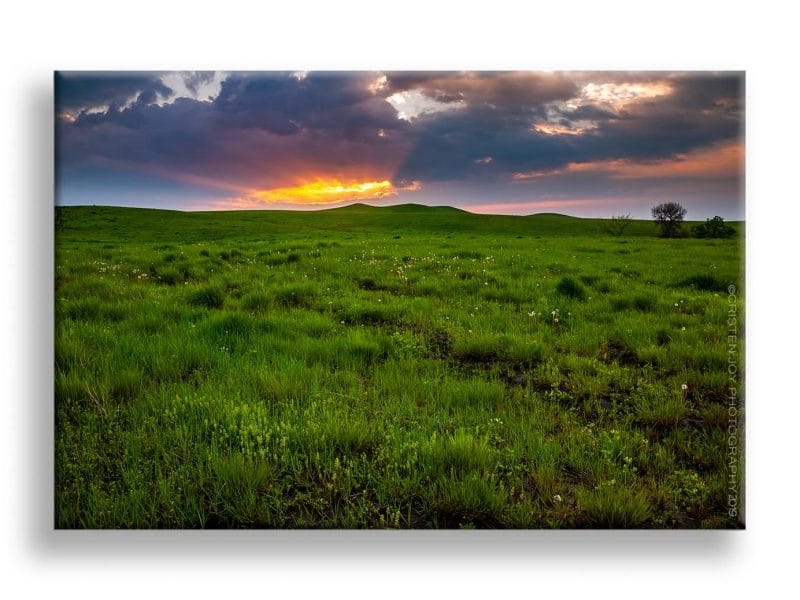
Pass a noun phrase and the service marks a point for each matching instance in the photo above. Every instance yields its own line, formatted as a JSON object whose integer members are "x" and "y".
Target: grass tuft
{"x": 256, "y": 302}
{"x": 460, "y": 454}
{"x": 571, "y": 288}
{"x": 471, "y": 501}
{"x": 208, "y": 297}
{"x": 299, "y": 295}
{"x": 704, "y": 282}
{"x": 614, "y": 507}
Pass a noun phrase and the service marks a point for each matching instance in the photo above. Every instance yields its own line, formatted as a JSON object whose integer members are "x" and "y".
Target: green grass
{"x": 395, "y": 367}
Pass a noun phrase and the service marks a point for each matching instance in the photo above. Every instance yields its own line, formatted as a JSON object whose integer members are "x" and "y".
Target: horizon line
{"x": 364, "y": 204}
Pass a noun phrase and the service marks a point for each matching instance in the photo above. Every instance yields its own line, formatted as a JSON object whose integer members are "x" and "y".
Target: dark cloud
{"x": 449, "y": 145}
{"x": 700, "y": 111}
{"x": 697, "y": 91}
{"x": 285, "y": 104}
{"x": 269, "y": 128}
{"x": 656, "y": 135}
{"x": 155, "y": 90}
{"x": 77, "y": 91}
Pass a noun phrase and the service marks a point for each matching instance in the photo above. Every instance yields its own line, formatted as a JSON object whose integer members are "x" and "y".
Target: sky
{"x": 589, "y": 144}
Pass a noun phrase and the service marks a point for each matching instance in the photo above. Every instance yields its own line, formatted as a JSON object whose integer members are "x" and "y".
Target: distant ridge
{"x": 407, "y": 207}
{"x": 414, "y": 207}
{"x": 355, "y": 207}
{"x": 552, "y": 214}
{"x": 112, "y": 224}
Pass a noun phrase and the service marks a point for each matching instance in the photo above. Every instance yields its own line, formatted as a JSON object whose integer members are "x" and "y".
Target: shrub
{"x": 713, "y": 228}
{"x": 571, "y": 288}
{"x": 617, "y": 225}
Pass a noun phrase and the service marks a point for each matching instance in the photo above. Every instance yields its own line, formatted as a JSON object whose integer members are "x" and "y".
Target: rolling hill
{"x": 107, "y": 223}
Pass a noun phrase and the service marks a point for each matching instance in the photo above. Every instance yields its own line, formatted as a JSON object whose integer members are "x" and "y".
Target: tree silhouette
{"x": 669, "y": 217}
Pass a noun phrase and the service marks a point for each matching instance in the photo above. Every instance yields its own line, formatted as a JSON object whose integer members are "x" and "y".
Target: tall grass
{"x": 398, "y": 368}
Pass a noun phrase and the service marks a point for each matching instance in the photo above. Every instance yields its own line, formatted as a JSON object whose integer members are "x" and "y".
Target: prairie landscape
{"x": 392, "y": 367}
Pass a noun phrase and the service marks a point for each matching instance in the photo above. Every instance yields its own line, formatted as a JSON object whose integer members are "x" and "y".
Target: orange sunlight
{"x": 327, "y": 191}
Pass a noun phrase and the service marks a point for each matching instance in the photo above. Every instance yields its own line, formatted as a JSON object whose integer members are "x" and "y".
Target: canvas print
{"x": 399, "y": 300}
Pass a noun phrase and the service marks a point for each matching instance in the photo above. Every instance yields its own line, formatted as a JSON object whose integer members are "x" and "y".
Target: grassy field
{"x": 388, "y": 367}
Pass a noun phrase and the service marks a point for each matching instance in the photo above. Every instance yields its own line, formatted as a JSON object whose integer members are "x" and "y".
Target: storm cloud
{"x": 236, "y": 136}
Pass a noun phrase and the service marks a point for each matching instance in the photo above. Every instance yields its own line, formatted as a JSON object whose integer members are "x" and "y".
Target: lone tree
{"x": 669, "y": 217}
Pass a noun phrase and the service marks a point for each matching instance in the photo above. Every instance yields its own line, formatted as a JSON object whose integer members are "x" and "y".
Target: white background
{"x": 36, "y": 39}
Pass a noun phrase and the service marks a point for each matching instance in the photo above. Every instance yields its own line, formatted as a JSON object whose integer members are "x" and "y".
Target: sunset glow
{"x": 327, "y": 191}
